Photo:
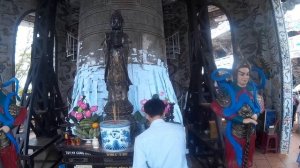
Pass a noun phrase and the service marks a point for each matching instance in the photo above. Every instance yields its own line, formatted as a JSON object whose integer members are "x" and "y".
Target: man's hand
{"x": 5, "y": 129}
{"x": 249, "y": 120}
{"x": 254, "y": 117}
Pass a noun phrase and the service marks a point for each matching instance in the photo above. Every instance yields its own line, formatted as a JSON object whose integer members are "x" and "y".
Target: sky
{"x": 24, "y": 38}
{"x": 292, "y": 23}
{"x": 292, "y": 18}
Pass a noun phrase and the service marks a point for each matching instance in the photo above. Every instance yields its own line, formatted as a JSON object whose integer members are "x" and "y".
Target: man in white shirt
{"x": 162, "y": 145}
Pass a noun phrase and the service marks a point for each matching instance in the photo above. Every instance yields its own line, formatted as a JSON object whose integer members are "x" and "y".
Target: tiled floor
{"x": 276, "y": 160}
{"x": 269, "y": 160}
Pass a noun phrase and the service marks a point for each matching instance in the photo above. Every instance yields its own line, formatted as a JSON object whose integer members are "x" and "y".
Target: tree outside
{"x": 23, "y": 52}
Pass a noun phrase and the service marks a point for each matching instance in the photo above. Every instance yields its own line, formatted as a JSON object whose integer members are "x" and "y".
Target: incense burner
{"x": 115, "y": 135}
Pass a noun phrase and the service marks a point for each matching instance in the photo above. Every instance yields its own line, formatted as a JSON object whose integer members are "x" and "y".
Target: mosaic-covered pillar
{"x": 282, "y": 50}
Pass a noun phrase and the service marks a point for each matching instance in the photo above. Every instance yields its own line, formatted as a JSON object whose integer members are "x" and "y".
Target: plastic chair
{"x": 268, "y": 138}
{"x": 269, "y": 146}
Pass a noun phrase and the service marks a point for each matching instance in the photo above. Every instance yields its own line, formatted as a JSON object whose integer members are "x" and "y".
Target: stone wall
{"x": 66, "y": 21}
{"x": 11, "y": 13}
{"x": 176, "y": 20}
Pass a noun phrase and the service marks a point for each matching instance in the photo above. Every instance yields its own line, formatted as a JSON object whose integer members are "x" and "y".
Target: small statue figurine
{"x": 116, "y": 75}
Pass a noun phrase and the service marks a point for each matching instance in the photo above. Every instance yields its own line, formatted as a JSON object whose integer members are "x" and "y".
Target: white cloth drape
{"x": 147, "y": 80}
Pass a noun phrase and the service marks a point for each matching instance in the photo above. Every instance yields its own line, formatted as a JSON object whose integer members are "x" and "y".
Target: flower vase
{"x": 115, "y": 135}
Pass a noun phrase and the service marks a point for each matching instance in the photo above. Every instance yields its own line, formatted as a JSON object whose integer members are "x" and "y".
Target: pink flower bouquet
{"x": 83, "y": 110}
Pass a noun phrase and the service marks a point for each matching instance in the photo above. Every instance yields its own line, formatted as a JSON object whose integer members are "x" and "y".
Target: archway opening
{"x": 23, "y": 49}
{"x": 220, "y": 37}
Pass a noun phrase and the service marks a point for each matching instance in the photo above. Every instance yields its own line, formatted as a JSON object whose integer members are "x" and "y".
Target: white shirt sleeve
{"x": 139, "y": 158}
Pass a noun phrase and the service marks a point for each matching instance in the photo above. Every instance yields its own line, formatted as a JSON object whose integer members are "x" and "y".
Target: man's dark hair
{"x": 154, "y": 107}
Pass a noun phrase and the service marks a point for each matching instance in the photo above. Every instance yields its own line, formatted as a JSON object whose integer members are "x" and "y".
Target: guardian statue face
{"x": 243, "y": 76}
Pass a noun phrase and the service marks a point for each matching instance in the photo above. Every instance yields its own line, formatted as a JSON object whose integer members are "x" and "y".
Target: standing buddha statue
{"x": 116, "y": 75}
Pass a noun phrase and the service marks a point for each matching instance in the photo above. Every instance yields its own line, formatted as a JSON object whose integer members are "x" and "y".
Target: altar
{"x": 107, "y": 99}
